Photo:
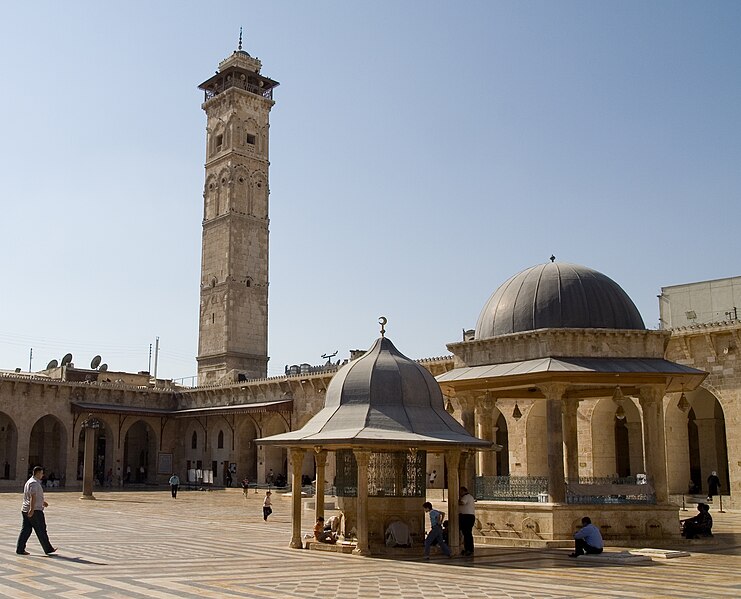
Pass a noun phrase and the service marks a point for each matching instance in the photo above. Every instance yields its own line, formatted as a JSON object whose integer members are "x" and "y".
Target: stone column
{"x": 320, "y": 459}
{"x": 554, "y": 393}
{"x": 452, "y": 460}
{"x": 362, "y": 457}
{"x": 571, "y": 439}
{"x": 654, "y": 453}
{"x": 90, "y": 426}
{"x": 23, "y": 436}
{"x": 486, "y": 430}
{"x": 297, "y": 464}
{"x": 467, "y": 402}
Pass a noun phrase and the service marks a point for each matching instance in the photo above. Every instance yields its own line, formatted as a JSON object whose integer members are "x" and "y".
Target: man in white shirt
{"x": 174, "y": 484}
{"x": 466, "y": 519}
{"x": 588, "y": 539}
{"x": 32, "y": 513}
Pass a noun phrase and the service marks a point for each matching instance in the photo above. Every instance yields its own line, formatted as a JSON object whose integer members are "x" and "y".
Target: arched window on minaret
{"x": 194, "y": 441}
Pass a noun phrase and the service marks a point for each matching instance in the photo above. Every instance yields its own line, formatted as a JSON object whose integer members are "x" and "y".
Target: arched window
{"x": 220, "y": 442}
{"x": 194, "y": 441}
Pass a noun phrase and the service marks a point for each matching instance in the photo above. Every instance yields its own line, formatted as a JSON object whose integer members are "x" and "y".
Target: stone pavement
{"x": 133, "y": 544}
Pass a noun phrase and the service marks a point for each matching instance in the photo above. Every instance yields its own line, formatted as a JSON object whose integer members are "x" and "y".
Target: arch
{"x": 220, "y": 440}
{"x": 47, "y": 446}
{"x": 103, "y": 460}
{"x": 537, "y": 449}
{"x": 706, "y": 445}
{"x": 246, "y": 450}
{"x": 251, "y": 134}
{"x": 501, "y": 437}
{"x": 616, "y": 445}
{"x": 140, "y": 451}
{"x": 276, "y": 458}
{"x": 221, "y": 201}
{"x": 8, "y": 447}
{"x": 210, "y": 195}
{"x": 216, "y": 139}
{"x": 240, "y": 191}
{"x": 258, "y": 202}
{"x": 194, "y": 440}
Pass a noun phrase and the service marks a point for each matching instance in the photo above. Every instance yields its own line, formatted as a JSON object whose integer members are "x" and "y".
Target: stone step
{"x": 623, "y": 558}
{"x": 659, "y": 553}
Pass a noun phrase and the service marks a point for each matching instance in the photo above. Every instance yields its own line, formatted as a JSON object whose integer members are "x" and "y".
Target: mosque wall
{"x": 712, "y": 424}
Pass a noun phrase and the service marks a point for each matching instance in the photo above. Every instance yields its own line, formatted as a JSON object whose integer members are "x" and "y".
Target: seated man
{"x": 588, "y": 539}
{"x": 333, "y": 524}
{"x": 700, "y": 525}
{"x": 321, "y": 535}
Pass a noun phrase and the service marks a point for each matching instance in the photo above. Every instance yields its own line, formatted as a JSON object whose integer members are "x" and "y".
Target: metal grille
{"x": 511, "y": 488}
{"x": 346, "y": 479}
{"x": 390, "y": 474}
{"x": 610, "y": 490}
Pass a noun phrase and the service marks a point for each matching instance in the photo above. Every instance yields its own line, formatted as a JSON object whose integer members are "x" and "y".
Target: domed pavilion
{"x": 382, "y": 413}
{"x": 561, "y": 361}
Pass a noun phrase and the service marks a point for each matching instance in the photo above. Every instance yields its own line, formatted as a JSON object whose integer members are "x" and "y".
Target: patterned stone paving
{"x": 215, "y": 544}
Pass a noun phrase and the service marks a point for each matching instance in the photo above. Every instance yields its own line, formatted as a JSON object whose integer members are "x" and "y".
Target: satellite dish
{"x": 52, "y": 364}
{"x": 96, "y": 362}
{"x": 67, "y": 359}
{"x": 103, "y": 367}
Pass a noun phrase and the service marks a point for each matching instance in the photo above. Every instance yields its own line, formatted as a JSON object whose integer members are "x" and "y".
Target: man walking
{"x": 32, "y": 514}
{"x": 436, "y": 531}
{"x": 174, "y": 484}
{"x": 466, "y": 519}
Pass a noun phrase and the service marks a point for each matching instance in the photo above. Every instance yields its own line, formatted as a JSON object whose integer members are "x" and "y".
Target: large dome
{"x": 557, "y": 295}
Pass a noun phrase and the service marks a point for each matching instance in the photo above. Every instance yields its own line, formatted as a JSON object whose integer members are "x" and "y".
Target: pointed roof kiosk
{"x": 382, "y": 413}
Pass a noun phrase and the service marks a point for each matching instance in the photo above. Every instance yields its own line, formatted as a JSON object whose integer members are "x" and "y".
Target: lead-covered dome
{"x": 557, "y": 295}
{"x": 381, "y": 399}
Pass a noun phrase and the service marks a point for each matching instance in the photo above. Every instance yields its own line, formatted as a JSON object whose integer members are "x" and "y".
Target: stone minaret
{"x": 233, "y": 324}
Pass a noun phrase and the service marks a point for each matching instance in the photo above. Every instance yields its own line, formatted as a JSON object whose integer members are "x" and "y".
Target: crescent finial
{"x": 382, "y": 321}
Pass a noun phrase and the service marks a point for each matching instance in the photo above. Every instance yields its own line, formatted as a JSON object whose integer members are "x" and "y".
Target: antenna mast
{"x": 156, "y": 355}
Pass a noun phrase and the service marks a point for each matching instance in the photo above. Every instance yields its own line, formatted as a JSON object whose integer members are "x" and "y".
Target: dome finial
{"x": 240, "y": 40}
{"x": 553, "y": 258}
{"x": 382, "y": 321}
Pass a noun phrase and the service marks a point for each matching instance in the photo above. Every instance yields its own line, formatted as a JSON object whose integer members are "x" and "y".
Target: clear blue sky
{"x": 421, "y": 154}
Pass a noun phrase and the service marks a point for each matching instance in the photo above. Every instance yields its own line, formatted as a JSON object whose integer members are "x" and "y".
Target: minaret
{"x": 233, "y": 324}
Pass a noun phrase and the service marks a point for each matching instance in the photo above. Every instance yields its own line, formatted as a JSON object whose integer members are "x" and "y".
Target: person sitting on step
{"x": 588, "y": 539}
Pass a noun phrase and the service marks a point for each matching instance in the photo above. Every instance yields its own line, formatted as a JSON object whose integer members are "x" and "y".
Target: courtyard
{"x": 215, "y": 544}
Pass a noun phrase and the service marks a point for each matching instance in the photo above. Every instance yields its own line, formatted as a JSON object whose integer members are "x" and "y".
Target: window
{"x": 220, "y": 443}
{"x": 250, "y": 139}
{"x": 219, "y": 141}
{"x": 194, "y": 441}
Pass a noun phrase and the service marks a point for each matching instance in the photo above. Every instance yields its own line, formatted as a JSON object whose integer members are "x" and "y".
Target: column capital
{"x": 320, "y": 457}
{"x": 485, "y": 405}
{"x": 452, "y": 458}
{"x": 466, "y": 400}
{"x": 649, "y": 394}
{"x": 362, "y": 456}
{"x": 297, "y": 458}
{"x": 553, "y": 390}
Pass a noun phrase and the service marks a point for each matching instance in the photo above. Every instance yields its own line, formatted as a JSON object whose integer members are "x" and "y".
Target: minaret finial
{"x": 240, "y": 40}
{"x": 382, "y": 321}
{"x": 553, "y": 258}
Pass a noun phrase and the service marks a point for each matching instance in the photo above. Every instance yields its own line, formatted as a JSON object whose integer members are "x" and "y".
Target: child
{"x": 266, "y": 509}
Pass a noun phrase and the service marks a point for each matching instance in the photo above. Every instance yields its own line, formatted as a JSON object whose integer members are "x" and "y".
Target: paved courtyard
{"x": 215, "y": 544}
